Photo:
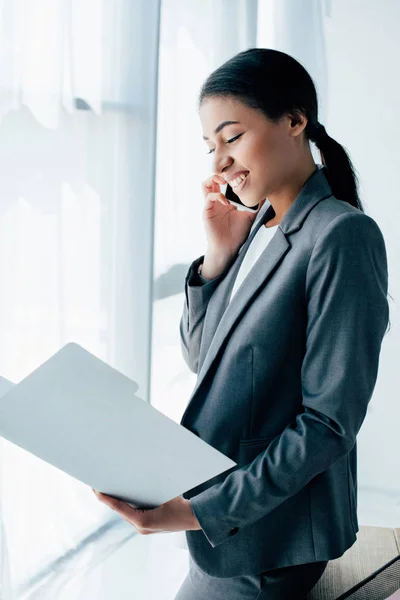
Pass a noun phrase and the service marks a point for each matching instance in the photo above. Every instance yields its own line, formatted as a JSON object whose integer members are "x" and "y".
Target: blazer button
{"x": 233, "y": 531}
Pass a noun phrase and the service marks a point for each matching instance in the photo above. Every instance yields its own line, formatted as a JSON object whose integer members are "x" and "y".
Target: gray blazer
{"x": 285, "y": 374}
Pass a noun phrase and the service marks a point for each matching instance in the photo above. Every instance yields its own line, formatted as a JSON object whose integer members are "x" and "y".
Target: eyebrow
{"x": 221, "y": 126}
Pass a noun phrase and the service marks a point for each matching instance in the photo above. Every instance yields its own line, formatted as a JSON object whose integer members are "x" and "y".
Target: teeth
{"x": 235, "y": 182}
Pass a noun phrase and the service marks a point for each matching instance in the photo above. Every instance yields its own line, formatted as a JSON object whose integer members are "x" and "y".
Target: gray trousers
{"x": 285, "y": 583}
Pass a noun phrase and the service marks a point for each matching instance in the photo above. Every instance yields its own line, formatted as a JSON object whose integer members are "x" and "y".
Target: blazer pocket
{"x": 251, "y": 447}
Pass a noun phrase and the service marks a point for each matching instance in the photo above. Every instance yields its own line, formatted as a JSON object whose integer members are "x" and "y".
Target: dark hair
{"x": 277, "y": 84}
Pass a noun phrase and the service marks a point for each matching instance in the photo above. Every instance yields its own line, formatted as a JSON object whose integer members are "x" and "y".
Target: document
{"x": 82, "y": 416}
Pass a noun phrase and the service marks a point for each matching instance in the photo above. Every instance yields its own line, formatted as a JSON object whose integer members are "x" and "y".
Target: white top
{"x": 257, "y": 246}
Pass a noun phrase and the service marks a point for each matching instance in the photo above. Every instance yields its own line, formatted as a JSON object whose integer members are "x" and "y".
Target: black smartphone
{"x": 234, "y": 199}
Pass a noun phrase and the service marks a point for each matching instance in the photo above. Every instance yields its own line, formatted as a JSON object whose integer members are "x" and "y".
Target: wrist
{"x": 214, "y": 264}
{"x": 194, "y": 524}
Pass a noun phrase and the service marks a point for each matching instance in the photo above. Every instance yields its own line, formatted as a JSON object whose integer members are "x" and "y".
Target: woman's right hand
{"x": 226, "y": 227}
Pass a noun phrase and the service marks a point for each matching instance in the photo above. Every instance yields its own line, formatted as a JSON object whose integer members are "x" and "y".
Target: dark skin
{"x": 277, "y": 155}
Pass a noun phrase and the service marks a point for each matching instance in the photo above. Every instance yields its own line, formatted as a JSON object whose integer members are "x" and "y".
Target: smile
{"x": 238, "y": 183}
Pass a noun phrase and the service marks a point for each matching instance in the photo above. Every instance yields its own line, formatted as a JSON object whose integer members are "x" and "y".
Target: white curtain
{"x": 51, "y": 53}
{"x": 78, "y": 100}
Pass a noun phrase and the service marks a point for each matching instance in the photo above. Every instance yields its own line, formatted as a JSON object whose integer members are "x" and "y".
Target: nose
{"x": 220, "y": 163}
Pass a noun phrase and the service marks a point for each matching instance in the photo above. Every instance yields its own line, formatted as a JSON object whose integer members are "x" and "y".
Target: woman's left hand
{"x": 175, "y": 515}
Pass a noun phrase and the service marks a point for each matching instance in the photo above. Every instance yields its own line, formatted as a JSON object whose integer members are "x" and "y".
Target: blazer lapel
{"x": 221, "y": 315}
{"x": 220, "y": 299}
{"x": 219, "y": 308}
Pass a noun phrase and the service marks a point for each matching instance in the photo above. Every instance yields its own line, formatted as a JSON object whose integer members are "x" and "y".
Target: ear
{"x": 297, "y": 123}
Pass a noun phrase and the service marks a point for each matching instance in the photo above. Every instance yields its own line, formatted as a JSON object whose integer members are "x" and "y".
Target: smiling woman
{"x": 268, "y": 326}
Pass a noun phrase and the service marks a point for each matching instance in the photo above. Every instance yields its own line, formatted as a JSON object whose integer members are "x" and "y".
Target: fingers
{"x": 214, "y": 179}
{"x": 108, "y": 500}
{"x": 133, "y": 515}
{"x": 212, "y": 184}
{"x": 215, "y": 197}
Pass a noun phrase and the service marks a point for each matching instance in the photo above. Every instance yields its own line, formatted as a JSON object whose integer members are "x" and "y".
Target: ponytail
{"x": 340, "y": 171}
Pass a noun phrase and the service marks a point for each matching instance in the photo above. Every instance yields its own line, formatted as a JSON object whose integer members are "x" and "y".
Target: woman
{"x": 283, "y": 322}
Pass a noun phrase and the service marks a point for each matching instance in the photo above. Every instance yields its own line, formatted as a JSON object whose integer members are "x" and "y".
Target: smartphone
{"x": 234, "y": 199}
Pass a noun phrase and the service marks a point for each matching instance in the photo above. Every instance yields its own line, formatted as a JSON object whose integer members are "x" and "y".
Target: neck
{"x": 283, "y": 197}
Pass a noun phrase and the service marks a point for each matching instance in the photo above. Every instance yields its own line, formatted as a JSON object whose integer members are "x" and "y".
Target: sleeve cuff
{"x": 193, "y": 278}
{"x": 213, "y": 528}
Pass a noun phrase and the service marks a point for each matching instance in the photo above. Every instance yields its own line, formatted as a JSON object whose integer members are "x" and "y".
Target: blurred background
{"x": 101, "y": 163}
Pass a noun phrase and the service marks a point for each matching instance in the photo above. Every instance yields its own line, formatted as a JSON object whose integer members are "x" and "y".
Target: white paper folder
{"x": 81, "y": 415}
